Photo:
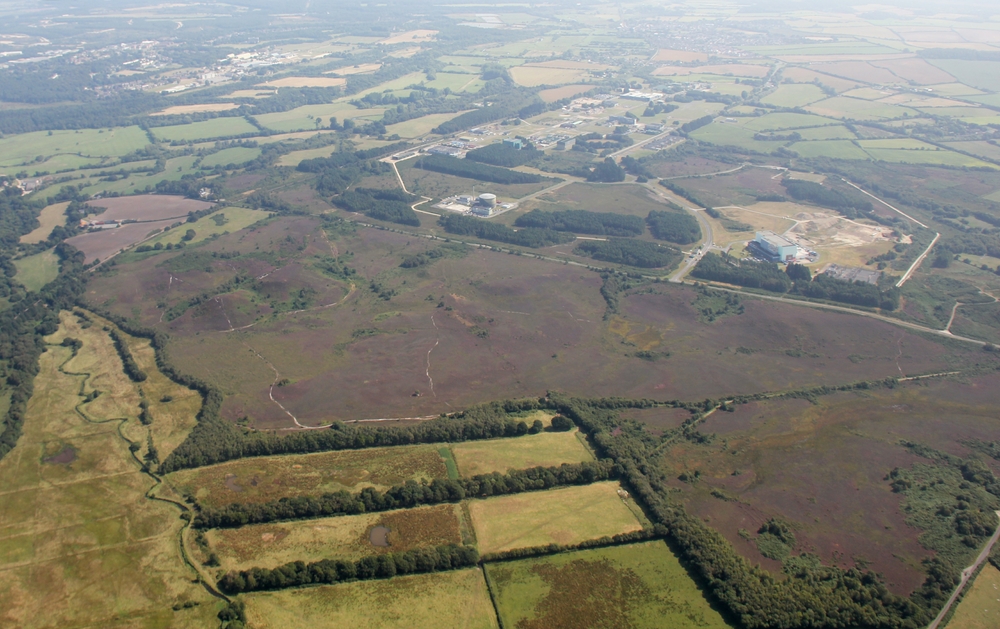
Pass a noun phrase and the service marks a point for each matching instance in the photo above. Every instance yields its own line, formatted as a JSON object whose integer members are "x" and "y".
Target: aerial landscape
{"x": 562, "y": 315}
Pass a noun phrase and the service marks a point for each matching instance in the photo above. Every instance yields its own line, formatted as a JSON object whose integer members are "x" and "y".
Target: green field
{"x": 456, "y": 600}
{"x": 418, "y": 126}
{"x": 64, "y": 162}
{"x": 933, "y": 157}
{"x": 342, "y": 537}
{"x": 261, "y": 479}
{"x": 37, "y": 270}
{"x": 858, "y": 109}
{"x": 227, "y": 220}
{"x": 834, "y": 132}
{"x": 18, "y": 149}
{"x": 204, "y": 130}
{"x": 982, "y": 74}
{"x": 568, "y": 515}
{"x": 782, "y": 121}
{"x": 175, "y": 168}
{"x": 304, "y": 118}
{"x": 729, "y": 134}
{"x": 794, "y": 95}
{"x": 456, "y": 82}
{"x": 78, "y": 528}
{"x": 980, "y": 606}
{"x": 642, "y": 586}
{"x": 546, "y": 449}
{"x": 237, "y": 155}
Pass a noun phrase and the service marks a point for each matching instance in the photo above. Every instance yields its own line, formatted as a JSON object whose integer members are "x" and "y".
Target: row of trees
{"x": 749, "y": 273}
{"x": 637, "y": 253}
{"x": 849, "y": 204}
{"x": 132, "y": 369}
{"x": 677, "y": 227}
{"x": 393, "y": 206}
{"x": 857, "y": 293}
{"x": 326, "y": 571}
{"x": 533, "y": 237}
{"x": 412, "y": 494}
{"x": 583, "y": 222}
{"x": 475, "y": 170}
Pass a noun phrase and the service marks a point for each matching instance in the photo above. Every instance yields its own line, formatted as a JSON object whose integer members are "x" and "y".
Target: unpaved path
{"x": 966, "y": 575}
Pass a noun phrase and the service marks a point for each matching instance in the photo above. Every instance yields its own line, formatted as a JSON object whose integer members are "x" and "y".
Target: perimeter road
{"x": 966, "y": 575}
{"x": 916, "y": 263}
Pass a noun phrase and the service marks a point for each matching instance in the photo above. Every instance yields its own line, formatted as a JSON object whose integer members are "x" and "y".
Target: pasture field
{"x": 984, "y": 75}
{"x": 833, "y": 132}
{"x": 18, "y": 149}
{"x": 342, "y": 537}
{"x": 77, "y": 529}
{"x": 794, "y": 95}
{"x": 177, "y": 110}
{"x": 50, "y": 217}
{"x": 858, "y": 109}
{"x": 803, "y": 75}
{"x": 456, "y": 82}
{"x": 630, "y": 199}
{"x": 642, "y": 586}
{"x": 786, "y": 121}
{"x": 546, "y": 449}
{"x": 729, "y": 134}
{"x": 678, "y": 56}
{"x": 533, "y": 75}
{"x": 205, "y": 130}
{"x": 292, "y": 159}
{"x": 825, "y": 466}
{"x": 566, "y": 91}
{"x": 37, "y": 270}
{"x": 568, "y": 515}
{"x": 237, "y": 155}
{"x": 978, "y": 148}
{"x": 362, "y": 68}
{"x": 176, "y": 168}
{"x": 304, "y": 118}
{"x": 933, "y": 157}
{"x": 305, "y": 81}
{"x": 146, "y": 207}
{"x": 980, "y": 606}
{"x": 834, "y": 149}
{"x": 419, "y": 126}
{"x": 457, "y": 600}
{"x": 261, "y": 479}
{"x": 65, "y": 162}
{"x": 226, "y": 220}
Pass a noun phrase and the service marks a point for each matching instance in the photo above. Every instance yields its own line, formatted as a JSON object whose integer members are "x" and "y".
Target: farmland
{"x": 146, "y": 208}
{"x": 50, "y": 216}
{"x": 626, "y": 586}
{"x": 455, "y": 599}
{"x": 560, "y": 516}
{"x": 980, "y": 607}
{"x": 218, "y": 128}
{"x": 38, "y": 270}
{"x": 545, "y": 449}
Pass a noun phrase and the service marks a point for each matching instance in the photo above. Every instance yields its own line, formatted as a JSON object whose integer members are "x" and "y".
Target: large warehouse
{"x": 778, "y": 248}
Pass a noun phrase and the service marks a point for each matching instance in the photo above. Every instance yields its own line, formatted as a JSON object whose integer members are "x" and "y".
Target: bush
{"x": 562, "y": 424}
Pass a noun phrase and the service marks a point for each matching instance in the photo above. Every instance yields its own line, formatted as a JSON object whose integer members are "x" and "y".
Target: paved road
{"x": 966, "y": 575}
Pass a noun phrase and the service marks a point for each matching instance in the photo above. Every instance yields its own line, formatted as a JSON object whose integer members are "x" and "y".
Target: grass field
{"x": 192, "y": 109}
{"x": 439, "y": 185}
{"x": 981, "y": 74}
{"x": 980, "y": 607}
{"x": 50, "y": 217}
{"x": 531, "y": 76}
{"x": 293, "y": 158}
{"x": 642, "y": 586}
{"x": 304, "y": 118}
{"x": 834, "y": 132}
{"x": 835, "y": 149}
{"x": 794, "y": 95}
{"x": 544, "y": 449}
{"x": 230, "y": 219}
{"x": 729, "y": 134}
{"x": 262, "y": 479}
{"x": 204, "y": 130}
{"x": 567, "y": 91}
{"x": 343, "y": 537}
{"x": 567, "y": 515}
{"x": 419, "y": 126}
{"x": 37, "y": 270}
{"x": 77, "y": 530}
{"x": 932, "y": 157}
{"x": 858, "y": 109}
{"x": 979, "y": 148}
{"x": 305, "y": 81}
{"x": 457, "y": 600}
{"x": 783, "y": 121}
{"x": 237, "y": 155}
{"x": 176, "y": 168}
{"x": 17, "y": 149}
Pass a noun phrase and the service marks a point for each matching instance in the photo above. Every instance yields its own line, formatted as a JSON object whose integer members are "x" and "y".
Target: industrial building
{"x": 513, "y": 143}
{"x": 773, "y": 247}
{"x": 623, "y": 120}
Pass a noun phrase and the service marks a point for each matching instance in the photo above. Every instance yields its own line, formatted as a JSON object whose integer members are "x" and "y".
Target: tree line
{"x": 406, "y": 496}
{"x": 503, "y": 155}
{"x": 533, "y": 237}
{"x": 583, "y": 222}
{"x": 132, "y": 369}
{"x": 327, "y": 571}
{"x": 850, "y": 204}
{"x": 749, "y": 273}
{"x": 475, "y": 170}
{"x": 637, "y": 253}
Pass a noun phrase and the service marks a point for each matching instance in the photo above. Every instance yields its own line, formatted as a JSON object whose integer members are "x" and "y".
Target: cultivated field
{"x": 980, "y": 606}
{"x": 237, "y": 156}
{"x": 77, "y": 528}
{"x": 641, "y": 586}
{"x": 566, "y": 515}
{"x": 305, "y": 81}
{"x": 205, "y": 130}
{"x": 456, "y": 600}
{"x": 17, "y": 149}
{"x": 260, "y": 479}
{"x": 342, "y": 537}
{"x": 106, "y": 243}
{"x": 178, "y": 110}
{"x": 147, "y": 207}
{"x": 545, "y": 449}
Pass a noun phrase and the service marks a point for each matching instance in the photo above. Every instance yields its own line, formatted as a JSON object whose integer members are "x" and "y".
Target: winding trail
{"x": 966, "y": 576}
{"x": 428, "y": 372}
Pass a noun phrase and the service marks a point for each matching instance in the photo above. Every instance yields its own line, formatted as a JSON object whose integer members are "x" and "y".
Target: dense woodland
{"x": 583, "y": 222}
{"x": 475, "y": 170}
{"x": 749, "y": 273}
{"x": 630, "y": 252}
{"x": 393, "y": 206}
{"x": 503, "y": 155}
{"x": 674, "y": 226}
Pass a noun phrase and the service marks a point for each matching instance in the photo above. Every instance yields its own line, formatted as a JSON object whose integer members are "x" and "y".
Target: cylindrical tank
{"x": 487, "y": 199}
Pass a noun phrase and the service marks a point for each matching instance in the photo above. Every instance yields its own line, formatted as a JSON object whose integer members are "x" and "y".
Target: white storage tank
{"x": 487, "y": 199}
